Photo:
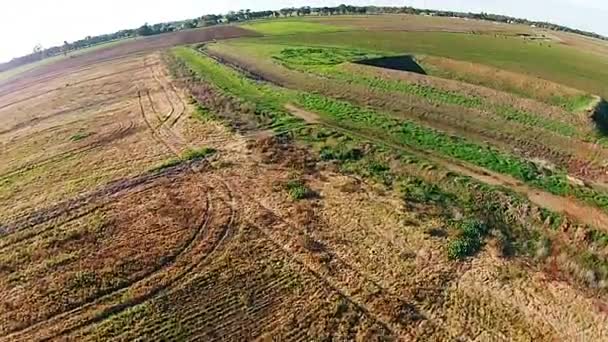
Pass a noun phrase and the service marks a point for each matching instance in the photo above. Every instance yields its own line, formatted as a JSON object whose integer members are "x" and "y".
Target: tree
{"x": 37, "y": 49}
{"x": 145, "y": 30}
{"x": 190, "y": 24}
{"x": 66, "y": 47}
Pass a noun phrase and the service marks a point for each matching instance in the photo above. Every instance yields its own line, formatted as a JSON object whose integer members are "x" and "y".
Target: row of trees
{"x": 245, "y": 15}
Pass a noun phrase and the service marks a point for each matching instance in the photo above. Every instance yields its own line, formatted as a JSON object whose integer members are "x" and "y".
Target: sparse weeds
{"x": 197, "y": 154}
{"x": 188, "y": 155}
{"x": 80, "y": 136}
{"x": 471, "y": 233}
{"x": 298, "y": 190}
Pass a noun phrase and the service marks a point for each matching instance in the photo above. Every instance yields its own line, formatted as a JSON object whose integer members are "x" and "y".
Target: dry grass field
{"x": 247, "y": 190}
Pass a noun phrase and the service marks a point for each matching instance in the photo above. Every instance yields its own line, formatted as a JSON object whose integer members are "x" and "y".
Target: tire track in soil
{"x": 59, "y": 88}
{"x": 114, "y": 189}
{"x": 120, "y": 132}
{"x": 106, "y": 299}
{"x": 166, "y": 95}
{"x": 225, "y": 232}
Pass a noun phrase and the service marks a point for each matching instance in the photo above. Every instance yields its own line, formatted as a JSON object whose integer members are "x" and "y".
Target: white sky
{"x": 24, "y": 23}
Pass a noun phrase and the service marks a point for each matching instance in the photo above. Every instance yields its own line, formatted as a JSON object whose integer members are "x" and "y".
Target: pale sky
{"x": 25, "y": 23}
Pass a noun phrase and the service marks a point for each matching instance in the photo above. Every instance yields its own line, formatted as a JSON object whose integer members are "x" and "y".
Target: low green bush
{"x": 470, "y": 239}
{"x": 298, "y": 190}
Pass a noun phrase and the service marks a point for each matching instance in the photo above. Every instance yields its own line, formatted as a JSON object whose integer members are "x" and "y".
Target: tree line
{"x": 245, "y": 15}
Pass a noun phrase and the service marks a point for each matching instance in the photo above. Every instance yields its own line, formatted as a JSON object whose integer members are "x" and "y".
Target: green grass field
{"x": 556, "y": 63}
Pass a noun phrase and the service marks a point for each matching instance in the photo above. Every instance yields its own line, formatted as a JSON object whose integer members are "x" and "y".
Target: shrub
{"x": 470, "y": 239}
{"x": 298, "y": 190}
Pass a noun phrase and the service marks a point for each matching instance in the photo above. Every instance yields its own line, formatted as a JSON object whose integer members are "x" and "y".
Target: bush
{"x": 470, "y": 240}
{"x": 298, "y": 190}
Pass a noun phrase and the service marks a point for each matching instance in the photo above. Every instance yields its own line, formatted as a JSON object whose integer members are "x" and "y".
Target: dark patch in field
{"x": 600, "y": 117}
{"x": 402, "y": 63}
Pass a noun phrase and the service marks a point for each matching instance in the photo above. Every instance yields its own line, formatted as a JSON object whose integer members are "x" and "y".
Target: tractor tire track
{"x": 116, "y": 134}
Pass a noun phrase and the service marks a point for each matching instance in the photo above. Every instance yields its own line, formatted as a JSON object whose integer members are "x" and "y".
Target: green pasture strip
{"x": 572, "y": 104}
{"x": 325, "y": 62}
{"x": 268, "y": 100}
{"x": 420, "y": 137}
{"x": 560, "y": 64}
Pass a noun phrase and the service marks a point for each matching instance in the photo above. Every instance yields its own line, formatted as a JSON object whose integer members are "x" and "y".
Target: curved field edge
{"x": 344, "y": 147}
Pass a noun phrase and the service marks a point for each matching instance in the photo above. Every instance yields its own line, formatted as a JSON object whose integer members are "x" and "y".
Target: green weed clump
{"x": 470, "y": 239}
{"x": 197, "y": 154}
{"x": 419, "y": 191}
{"x": 80, "y": 135}
{"x": 341, "y": 153}
{"x": 572, "y": 103}
{"x": 321, "y": 56}
{"x": 298, "y": 190}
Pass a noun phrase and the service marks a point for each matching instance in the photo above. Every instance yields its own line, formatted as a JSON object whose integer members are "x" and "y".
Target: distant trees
{"x": 145, "y": 30}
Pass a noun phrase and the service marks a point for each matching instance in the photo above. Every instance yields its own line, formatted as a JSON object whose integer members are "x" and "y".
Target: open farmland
{"x": 307, "y": 180}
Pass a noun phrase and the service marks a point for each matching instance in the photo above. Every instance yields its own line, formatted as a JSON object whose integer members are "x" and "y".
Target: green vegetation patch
{"x": 80, "y": 136}
{"x": 471, "y": 233}
{"x": 298, "y": 190}
{"x": 420, "y": 137}
{"x": 197, "y": 154}
{"x": 321, "y": 56}
{"x": 573, "y": 103}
